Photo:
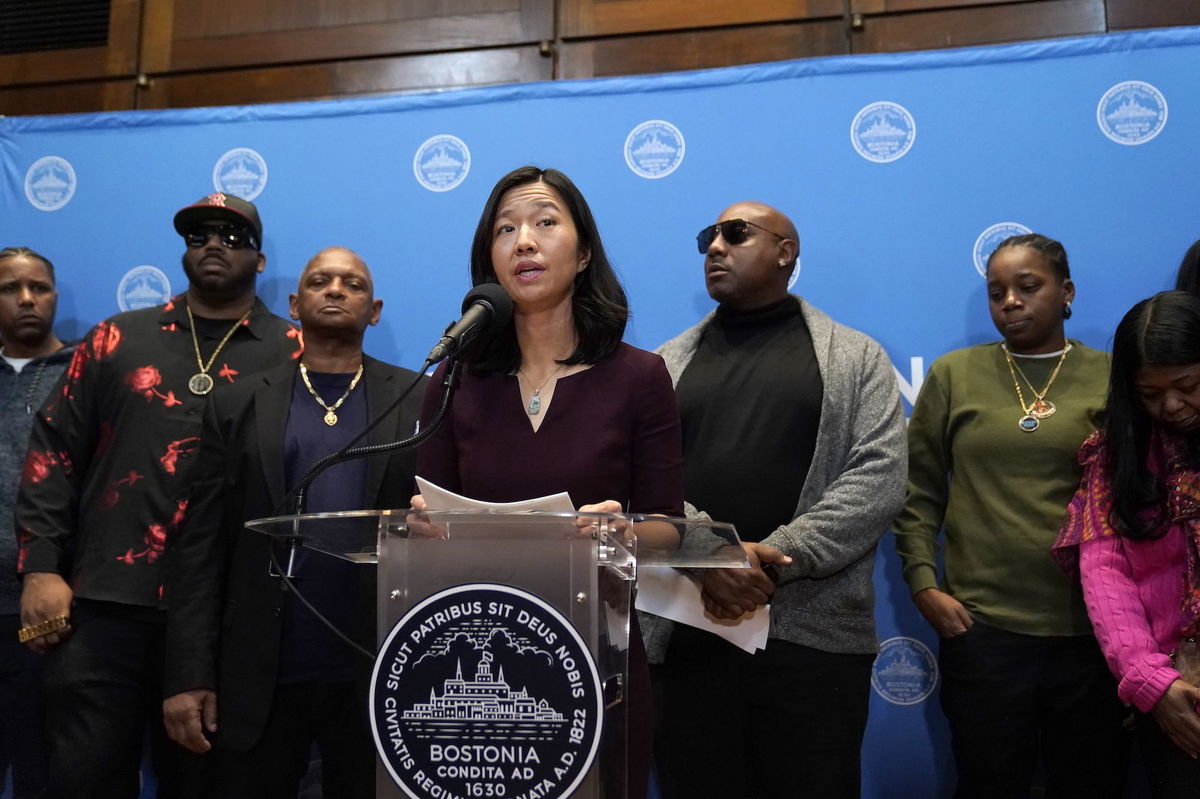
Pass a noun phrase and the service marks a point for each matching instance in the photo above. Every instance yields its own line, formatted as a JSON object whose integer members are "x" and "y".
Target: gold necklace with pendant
{"x": 201, "y": 383}
{"x": 331, "y": 417}
{"x": 1041, "y": 408}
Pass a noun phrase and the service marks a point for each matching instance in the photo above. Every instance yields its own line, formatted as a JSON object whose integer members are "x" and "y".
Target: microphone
{"x": 486, "y": 307}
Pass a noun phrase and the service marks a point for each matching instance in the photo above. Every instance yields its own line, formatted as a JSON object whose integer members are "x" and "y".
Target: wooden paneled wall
{"x": 180, "y": 53}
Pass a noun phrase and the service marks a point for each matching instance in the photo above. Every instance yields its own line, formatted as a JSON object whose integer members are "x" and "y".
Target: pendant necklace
{"x": 535, "y": 402}
{"x": 331, "y": 417}
{"x": 1041, "y": 408}
{"x": 201, "y": 383}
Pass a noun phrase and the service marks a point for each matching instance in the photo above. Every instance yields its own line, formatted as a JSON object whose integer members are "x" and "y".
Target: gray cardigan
{"x": 854, "y": 488}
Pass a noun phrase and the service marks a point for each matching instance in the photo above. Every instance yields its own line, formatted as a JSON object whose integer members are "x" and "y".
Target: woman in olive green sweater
{"x": 992, "y": 464}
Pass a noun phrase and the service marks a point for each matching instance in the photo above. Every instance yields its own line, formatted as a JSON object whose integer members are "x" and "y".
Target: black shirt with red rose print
{"x": 105, "y": 481}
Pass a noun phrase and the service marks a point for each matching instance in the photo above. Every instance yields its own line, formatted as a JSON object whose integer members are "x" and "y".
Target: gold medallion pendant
{"x": 1042, "y": 409}
{"x": 330, "y": 417}
{"x": 200, "y": 384}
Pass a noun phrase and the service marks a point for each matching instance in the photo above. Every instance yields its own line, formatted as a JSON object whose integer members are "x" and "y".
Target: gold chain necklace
{"x": 535, "y": 402}
{"x": 201, "y": 383}
{"x": 331, "y": 418}
{"x": 1040, "y": 408}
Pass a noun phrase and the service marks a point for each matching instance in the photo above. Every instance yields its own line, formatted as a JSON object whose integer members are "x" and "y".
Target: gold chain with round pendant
{"x": 1041, "y": 408}
{"x": 201, "y": 383}
{"x": 331, "y": 417}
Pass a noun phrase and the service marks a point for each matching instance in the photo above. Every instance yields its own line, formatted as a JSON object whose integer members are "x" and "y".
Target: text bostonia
{"x": 482, "y": 753}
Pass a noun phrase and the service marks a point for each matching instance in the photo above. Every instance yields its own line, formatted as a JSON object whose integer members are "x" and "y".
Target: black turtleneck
{"x": 750, "y": 402}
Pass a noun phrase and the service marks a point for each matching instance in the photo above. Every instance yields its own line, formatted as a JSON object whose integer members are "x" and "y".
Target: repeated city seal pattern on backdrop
{"x": 905, "y": 671}
{"x": 442, "y": 162}
{"x": 143, "y": 287}
{"x": 241, "y": 172}
{"x": 50, "y": 183}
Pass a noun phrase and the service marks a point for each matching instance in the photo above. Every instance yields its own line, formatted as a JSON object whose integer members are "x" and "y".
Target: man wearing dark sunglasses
{"x": 793, "y": 431}
{"x": 106, "y": 485}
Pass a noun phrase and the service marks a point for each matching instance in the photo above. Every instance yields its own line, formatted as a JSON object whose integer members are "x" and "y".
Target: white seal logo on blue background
{"x": 1133, "y": 112}
{"x": 486, "y": 690}
{"x": 143, "y": 287}
{"x": 883, "y": 132}
{"x": 50, "y": 183}
{"x": 905, "y": 671}
{"x": 990, "y": 239}
{"x": 654, "y": 149}
{"x": 241, "y": 172}
{"x": 442, "y": 162}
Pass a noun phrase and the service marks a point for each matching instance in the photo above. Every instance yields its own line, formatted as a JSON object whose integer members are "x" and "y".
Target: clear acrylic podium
{"x": 502, "y": 666}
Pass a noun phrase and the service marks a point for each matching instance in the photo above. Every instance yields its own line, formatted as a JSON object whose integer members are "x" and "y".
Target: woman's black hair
{"x": 25, "y": 252}
{"x": 599, "y": 308}
{"x": 1163, "y": 330}
{"x": 1053, "y": 251}
{"x": 1188, "y": 278}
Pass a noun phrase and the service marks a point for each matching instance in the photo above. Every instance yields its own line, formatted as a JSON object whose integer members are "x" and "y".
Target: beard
{"x": 231, "y": 283}
{"x": 31, "y": 334}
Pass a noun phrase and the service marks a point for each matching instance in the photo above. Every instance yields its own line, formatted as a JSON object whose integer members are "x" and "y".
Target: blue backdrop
{"x": 900, "y": 171}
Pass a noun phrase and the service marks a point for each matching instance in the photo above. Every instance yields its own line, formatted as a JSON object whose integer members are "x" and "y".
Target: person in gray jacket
{"x": 793, "y": 431}
{"x": 31, "y": 360}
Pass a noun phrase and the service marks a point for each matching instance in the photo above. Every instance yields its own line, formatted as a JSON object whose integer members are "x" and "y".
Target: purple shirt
{"x": 610, "y": 432}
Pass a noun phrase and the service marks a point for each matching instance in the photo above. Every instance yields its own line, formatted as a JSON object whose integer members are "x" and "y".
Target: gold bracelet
{"x": 31, "y": 631}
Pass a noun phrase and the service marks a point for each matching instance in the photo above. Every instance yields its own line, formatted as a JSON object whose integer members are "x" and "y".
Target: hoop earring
{"x": 1067, "y": 311}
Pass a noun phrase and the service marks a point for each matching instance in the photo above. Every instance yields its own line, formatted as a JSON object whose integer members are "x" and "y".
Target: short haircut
{"x": 25, "y": 252}
{"x": 1053, "y": 251}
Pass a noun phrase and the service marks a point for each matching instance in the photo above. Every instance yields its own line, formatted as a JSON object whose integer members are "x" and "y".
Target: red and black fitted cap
{"x": 218, "y": 205}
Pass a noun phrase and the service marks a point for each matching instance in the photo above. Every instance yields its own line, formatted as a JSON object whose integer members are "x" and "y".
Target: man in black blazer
{"x": 237, "y": 640}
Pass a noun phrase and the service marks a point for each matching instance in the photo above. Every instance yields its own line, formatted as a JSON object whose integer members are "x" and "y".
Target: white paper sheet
{"x": 438, "y": 498}
{"x": 670, "y": 593}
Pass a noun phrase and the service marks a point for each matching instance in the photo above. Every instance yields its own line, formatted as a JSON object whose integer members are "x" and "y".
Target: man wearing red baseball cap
{"x": 105, "y": 485}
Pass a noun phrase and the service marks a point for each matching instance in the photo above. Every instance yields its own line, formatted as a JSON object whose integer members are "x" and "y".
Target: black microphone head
{"x": 494, "y": 296}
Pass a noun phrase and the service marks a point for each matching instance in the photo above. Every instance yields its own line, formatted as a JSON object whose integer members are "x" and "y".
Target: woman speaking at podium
{"x": 556, "y": 401}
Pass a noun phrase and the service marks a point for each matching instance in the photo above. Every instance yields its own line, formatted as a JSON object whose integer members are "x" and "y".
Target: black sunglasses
{"x": 234, "y": 238}
{"x": 734, "y": 231}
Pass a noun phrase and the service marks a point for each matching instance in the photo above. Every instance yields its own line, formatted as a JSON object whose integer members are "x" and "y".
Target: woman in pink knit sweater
{"x": 1133, "y": 529}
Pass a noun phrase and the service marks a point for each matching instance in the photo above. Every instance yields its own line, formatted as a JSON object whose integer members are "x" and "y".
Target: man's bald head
{"x": 760, "y": 213}
{"x": 339, "y": 255}
{"x": 336, "y": 293}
